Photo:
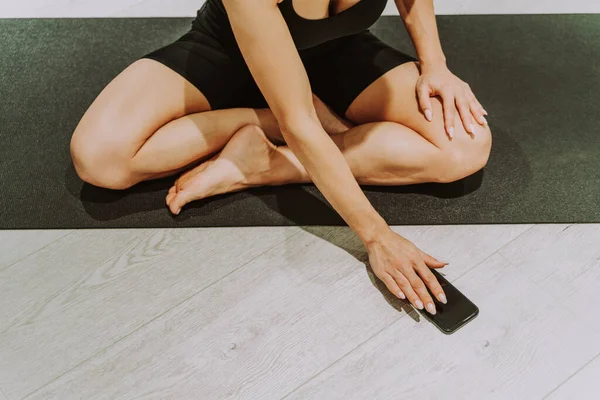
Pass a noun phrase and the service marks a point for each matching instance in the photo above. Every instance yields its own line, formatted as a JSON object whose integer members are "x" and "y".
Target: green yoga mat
{"x": 537, "y": 76}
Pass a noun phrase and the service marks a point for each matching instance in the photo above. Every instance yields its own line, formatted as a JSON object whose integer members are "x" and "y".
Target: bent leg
{"x": 378, "y": 153}
{"x": 392, "y": 97}
{"x": 134, "y": 132}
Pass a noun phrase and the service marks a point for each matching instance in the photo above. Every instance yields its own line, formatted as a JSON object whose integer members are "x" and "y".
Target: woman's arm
{"x": 436, "y": 79}
{"x": 419, "y": 19}
{"x": 273, "y": 60}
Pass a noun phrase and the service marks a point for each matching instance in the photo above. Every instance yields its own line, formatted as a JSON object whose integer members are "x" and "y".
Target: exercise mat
{"x": 537, "y": 76}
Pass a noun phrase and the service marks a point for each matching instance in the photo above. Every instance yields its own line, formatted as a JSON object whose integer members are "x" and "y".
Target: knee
{"x": 98, "y": 165}
{"x": 462, "y": 161}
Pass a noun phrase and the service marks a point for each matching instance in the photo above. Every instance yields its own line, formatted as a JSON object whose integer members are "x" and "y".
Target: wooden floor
{"x": 294, "y": 313}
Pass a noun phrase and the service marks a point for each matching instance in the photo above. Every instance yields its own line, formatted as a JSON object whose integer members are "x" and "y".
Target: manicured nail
{"x": 428, "y": 115}
{"x": 451, "y": 131}
{"x": 484, "y": 120}
{"x": 419, "y": 304}
{"x": 401, "y": 295}
{"x": 442, "y": 298}
{"x": 431, "y": 308}
{"x": 485, "y": 112}
{"x": 472, "y": 128}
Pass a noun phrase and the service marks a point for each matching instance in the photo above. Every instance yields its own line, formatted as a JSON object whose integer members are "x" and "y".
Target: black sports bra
{"x": 311, "y": 32}
{"x": 306, "y": 33}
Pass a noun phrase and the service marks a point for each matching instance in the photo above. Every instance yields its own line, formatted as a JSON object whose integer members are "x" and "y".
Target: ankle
{"x": 286, "y": 168}
{"x": 268, "y": 123}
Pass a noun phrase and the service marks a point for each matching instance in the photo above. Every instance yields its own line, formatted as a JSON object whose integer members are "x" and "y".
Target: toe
{"x": 179, "y": 200}
{"x": 170, "y": 197}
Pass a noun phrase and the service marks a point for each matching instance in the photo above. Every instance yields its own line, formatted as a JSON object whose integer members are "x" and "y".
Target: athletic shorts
{"x": 338, "y": 70}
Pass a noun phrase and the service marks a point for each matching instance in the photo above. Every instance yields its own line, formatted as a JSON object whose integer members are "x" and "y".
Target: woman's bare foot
{"x": 249, "y": 159}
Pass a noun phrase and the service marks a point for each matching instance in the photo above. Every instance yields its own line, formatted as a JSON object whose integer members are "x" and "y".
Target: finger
{"x": 407, "y": 289}
{"x": 431, "y": 282}
{"x": 432, "y": 261}
{"x": 425, "y": 101}
{"x": 449, "y": 111}
{"x": 392, "y": 286}
{"x": 465, "y": 113}
{"x": 478, "y": 114}
{"x": 479, "y": 105}
{"x": 420, "y": 289}
{"x": 476, "y": 108}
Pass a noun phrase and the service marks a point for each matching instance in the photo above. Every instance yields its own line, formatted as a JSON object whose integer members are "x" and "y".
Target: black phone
{"x": 456, "y": 313}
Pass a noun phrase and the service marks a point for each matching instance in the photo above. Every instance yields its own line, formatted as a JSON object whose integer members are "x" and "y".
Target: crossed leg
{"x": 392, "y": 144}
{"x": 135, "y": 132}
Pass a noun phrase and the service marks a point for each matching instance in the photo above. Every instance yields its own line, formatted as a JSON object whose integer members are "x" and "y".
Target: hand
{"x": 403, "y": 268}
{"x": 455, "y": 94}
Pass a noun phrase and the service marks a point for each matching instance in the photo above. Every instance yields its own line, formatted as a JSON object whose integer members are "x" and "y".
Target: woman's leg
{"x": 189, "y": 139}
{"x": 134, "y": 131}
{"x": 125, "y": 116}
{"x": 381, "y": 151}
{"x": 378, "y": 153}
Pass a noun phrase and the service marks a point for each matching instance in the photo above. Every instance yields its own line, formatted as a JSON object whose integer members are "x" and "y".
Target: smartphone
{"x": 456, "y": 313}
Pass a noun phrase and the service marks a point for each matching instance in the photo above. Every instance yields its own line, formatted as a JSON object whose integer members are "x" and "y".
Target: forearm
{"x": 330, "y": 172}
{"x": 419, "y": 18}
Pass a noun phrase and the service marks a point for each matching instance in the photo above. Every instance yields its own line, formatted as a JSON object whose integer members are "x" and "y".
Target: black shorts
{"x": 338, "y": 70}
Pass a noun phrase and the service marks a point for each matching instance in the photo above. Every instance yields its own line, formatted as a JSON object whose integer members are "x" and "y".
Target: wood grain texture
{"x": 522, "y": 343}
{"x": 70, "y": 300}
{"x": 584, "y": 385}
{"x": 565, "y": 262}
{"x": 15, "y": 245}
{"x": 271, "y": 325}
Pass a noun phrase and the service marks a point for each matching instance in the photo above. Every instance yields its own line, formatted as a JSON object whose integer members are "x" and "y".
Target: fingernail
{"x": 472, "y": 128}
{"x": 484, "y": 120}
{"x": 486, "y": 113}
{"x": 428, "y": 115}
{"x": 451, "y": 131}
{"x": 401, "y": 295}
{"x": 419, "y": 304}
{"x": 442, "y": 298}
{"x": 431, "y": 308}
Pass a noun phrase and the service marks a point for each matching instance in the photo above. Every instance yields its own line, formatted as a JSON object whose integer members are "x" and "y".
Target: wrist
{"x": 433, "y": 63}
{"x": 374, "y": 231}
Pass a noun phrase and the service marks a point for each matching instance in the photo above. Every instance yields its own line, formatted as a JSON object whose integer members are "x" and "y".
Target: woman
{"x": 269, "y": 92}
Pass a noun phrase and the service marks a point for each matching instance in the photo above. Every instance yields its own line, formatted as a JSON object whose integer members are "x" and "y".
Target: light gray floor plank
{"x": 565, "y": 262}
{"x": 584, "y": 385}
{"x": 523, "y": 342}
{"x": 269, "y": 326}
{"x": 77, "y": 296}
{"x": 18, "y": 244}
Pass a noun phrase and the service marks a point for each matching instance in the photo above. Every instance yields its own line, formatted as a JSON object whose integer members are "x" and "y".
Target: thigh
{"x": 187, "y": 76}
{"x": 392, "y": 97}
{"x": 342, "y": 69}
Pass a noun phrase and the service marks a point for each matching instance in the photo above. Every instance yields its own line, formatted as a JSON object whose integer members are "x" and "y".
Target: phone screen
{"x": 457, "y": 312}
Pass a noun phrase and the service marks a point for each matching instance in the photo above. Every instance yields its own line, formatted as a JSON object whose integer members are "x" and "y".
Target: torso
{"x": 314, "y": 22}
{"x": 311, "y": 22}
{"x": 314, "y": 10}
